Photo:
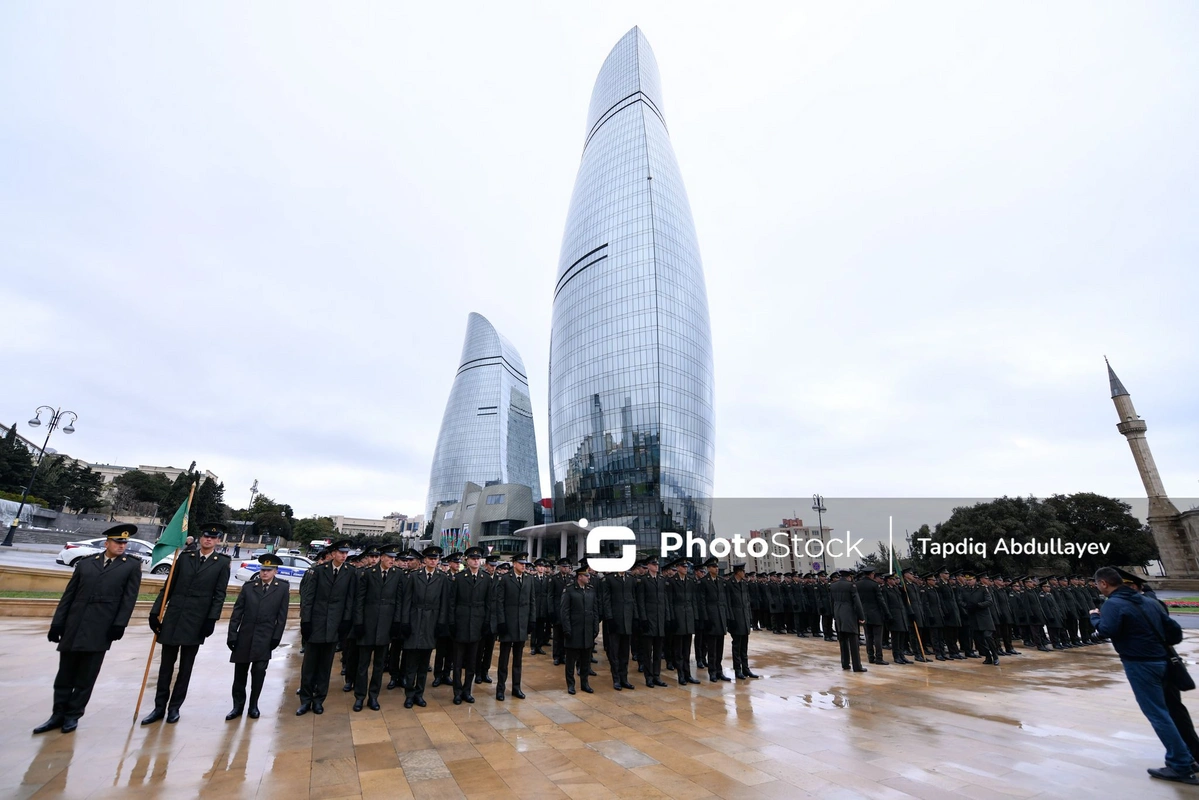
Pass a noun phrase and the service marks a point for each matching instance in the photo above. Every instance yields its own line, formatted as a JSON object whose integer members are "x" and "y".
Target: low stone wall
{"x": 39, "y": 607}
{"x": 35, "y": 579}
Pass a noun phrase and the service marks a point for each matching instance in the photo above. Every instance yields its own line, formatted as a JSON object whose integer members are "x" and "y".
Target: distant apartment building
{"x": 393, "y": 524}
{"x": 793, "y": 547}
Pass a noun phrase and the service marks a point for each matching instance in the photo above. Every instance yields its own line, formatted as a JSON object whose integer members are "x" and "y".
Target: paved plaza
{"x": 1041, "y": 725}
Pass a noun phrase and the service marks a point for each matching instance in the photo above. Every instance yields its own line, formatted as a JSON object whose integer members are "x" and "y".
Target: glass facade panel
{"x": 631, "y": 383}
{"x": 486, "y": 434}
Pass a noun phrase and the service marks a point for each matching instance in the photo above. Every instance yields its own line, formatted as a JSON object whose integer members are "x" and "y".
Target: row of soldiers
{"x": 391, "y": 611}
{"x": 948, "y": 616}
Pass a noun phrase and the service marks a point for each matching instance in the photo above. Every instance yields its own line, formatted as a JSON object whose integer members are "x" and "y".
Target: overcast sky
{"x": 250, "y": 236}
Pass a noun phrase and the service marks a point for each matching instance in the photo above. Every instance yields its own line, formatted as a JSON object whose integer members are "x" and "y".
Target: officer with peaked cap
{"x": 326, "y": 614}
{"x": 713, "y": 619}
{"x": 849, "y": 614}
{"x": 486, "y": 650}
{"x": 376, "y": 623}
{"x": 255, "y": 630}
{"x": 579, "y": 610}
{"x": 92, "y": 614}
{"x": 513, "y": 616}
{"x": 469, "y": 616}
{"x": 741, "y": 620}
{"x": 198, "y": 588}
{"x": 424, "y": 619}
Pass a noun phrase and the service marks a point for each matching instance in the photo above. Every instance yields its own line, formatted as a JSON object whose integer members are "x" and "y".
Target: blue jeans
{"x": 1145, "y": 678}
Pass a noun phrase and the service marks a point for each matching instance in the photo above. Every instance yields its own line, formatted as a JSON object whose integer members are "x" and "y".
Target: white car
{"x": 73, "y": 551}
{"x": 293, "y": 568}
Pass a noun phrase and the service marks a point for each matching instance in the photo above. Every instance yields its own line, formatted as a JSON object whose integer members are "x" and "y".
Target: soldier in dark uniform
{"x": 326, "y": 614}
{"x": 912, "y": 589}
{"x": 1053, "y": 615}
{"x": 198, "y": 587}
{"x": 871, "y": 595}
{"x": 1035, "y": 612}
{"x": 848, "y": 613}
{"x": 934, "y": 619}
{"x": 618, "y": 608}
{"x": 824, "y": 606}
{"x": 405, "y": 565}
{"x": 539, "y": 636}
{"x": 92, "y": 614}
{"x": 424, "y": 618}
{"x": 513, "y": 615}
{"x": 714, "y": 619}
{"x": 951, "y": 622}
{"x": 682, "y": 597}
{"x": 1003, "y": 614}
{"x": 377, "y": 601}
{"x": 897, "y": 617}
{"x": 578, "y": 610}
{"x": 637, "y": 640}
{"x": 255, "y": 630}
{"x": 738, "y": 597}
{"x": 469, "y": 616}
{"x": 443, "y": 657}
{"x": 558, "y": 582}
{"x": 487, "y": 643}
{"x": 347, "y": 645}
{"x": 977, "y": 605}
{"x": 653, "y": 613}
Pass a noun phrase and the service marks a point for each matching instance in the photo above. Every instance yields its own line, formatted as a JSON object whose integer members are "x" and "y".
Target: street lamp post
{"x": 818, "y": 507}
{"x": 56, "y": 415}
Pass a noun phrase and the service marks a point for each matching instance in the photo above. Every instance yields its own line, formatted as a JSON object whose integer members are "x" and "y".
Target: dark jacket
{"x": 618, "y": 603}
{"x": 897, "y": 609}
{"x": 469, "y": 610}
{"x": 558, "y": 584}
{"x": 541, "y": 594}
{"x": 1003, "y": 606}
{"x": 1050, "y": 608}
{"x": 327, "y": 602}
{"x": 197, "y": 597}
{"x": 652, "y": 609}
{"x": 934, "y": 614}
{"x": 682, "y": 597}
{"x": 738, "y": 596}
{"x": 578, "y": 613}
{"x": 258, "y": 619}
{"x": 377, "y": 605}
{"x": 871, "y": 595}
{"x": 774, "y": 597}
{"x": 515, "y": 608}
{"x": 713, "y": 607}
{"x": 976, "y": 604}
{"x": 1136, "y": 626}
{"x": 95, "y": 601}
{"x": 847, "y": 606}
{"x": 949, "y": 605}
{"x": 425, "y": 609}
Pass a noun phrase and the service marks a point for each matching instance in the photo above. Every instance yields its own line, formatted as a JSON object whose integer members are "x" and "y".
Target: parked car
{"x": 293, "y": 567}
{"x": 73, "y": 551}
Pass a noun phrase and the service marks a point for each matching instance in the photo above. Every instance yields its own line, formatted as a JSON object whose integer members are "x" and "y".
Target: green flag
{"x": 175, "y": 535}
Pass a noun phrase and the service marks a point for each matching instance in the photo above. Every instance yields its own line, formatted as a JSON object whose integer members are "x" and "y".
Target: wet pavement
{"x": 1040, "y": 725}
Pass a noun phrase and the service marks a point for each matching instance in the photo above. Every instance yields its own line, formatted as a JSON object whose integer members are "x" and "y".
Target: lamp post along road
{"x": 818, "y": 507}
{"x": 56, "y": 415}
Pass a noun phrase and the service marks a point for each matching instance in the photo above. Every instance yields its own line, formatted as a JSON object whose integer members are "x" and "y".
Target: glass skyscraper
{"x": 630, "y": 405}
{"x": 487, "y": 431}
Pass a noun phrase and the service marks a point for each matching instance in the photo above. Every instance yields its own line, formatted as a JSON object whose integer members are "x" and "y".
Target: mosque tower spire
{"x": 1173, "y": 542}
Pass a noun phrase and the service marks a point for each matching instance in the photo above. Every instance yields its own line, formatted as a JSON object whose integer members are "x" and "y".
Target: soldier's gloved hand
{"x": 406, "y": 630}
{"x": 442, "y": 630}
{"x": 275, "y": 643}
{"x": 232, "y": 644}
{"x": 396, "y": 630}
{"x": 116, "y": 632}
{"x": 359, "y": 631}
{"x": 209, "y": 627}
{"x": 502, "y": 629}
{"x": 56, "y": 632}
{"x": 305, "y": 630}
{"x": 155, "y": 624}
{"x": 343, "y": 628}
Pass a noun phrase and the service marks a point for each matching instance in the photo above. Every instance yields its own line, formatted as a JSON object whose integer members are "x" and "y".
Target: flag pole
{"x": 166, "y": 593}
{"x": 904, "y": 583}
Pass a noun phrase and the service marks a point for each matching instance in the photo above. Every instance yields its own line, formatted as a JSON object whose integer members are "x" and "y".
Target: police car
{"x": 293, "y": 567}
{"x": 73, "y": 551}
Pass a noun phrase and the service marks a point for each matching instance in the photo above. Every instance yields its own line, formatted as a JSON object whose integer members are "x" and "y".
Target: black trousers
{"x": 984, "y": 641}
{"x": 618, "y": 655}
{"x": 714, "y": 647}
{"x": 899, "y": 640}
{"x": 77, "y": 673}
{"x": 370, "y": 659}
{"x": 682, "y": 654}
{"x": 653, "y": 658}
{"x": 256, "y": 671}
{"x": 517, "y": 652}
{"x": 466, "y": 657}
{"x": 777, "y": 621}
{"x": 950, "y": 635}
{"x": 1181, "y": 718}
{"x": 559, "y": 649}
{"x": 826, "y": 625}
{"x": 164, "y": 698}
{"x": 578, "y": 661}
{"x": 850, "y": 649}
{"x": 418, "y": 670}
{"x": 1005, "y": 635}
{"x": 486, "y": 651}
{"x": 443, "y": 661}
{"x": 394, "y": 655}
{"x": 349, "y": 658}
{"x": 314, "y": 671}
{"x": 740, "y": 654}
{"x": 874, "y": 642}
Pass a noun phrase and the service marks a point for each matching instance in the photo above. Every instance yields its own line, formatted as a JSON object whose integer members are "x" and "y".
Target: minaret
{"x": 1172, "y": 541}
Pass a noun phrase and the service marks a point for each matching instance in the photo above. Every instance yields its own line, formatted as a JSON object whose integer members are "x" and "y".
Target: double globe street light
{"x": 56, "y": 416}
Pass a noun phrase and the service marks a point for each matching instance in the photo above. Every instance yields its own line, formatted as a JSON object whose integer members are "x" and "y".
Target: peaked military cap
{"x": 120, "y": 533}
{"x": 474, "y": 552}
{"x": 213, "y": 529}
{"x": 270, "y": 560}
{"x": 433, "y": 551}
